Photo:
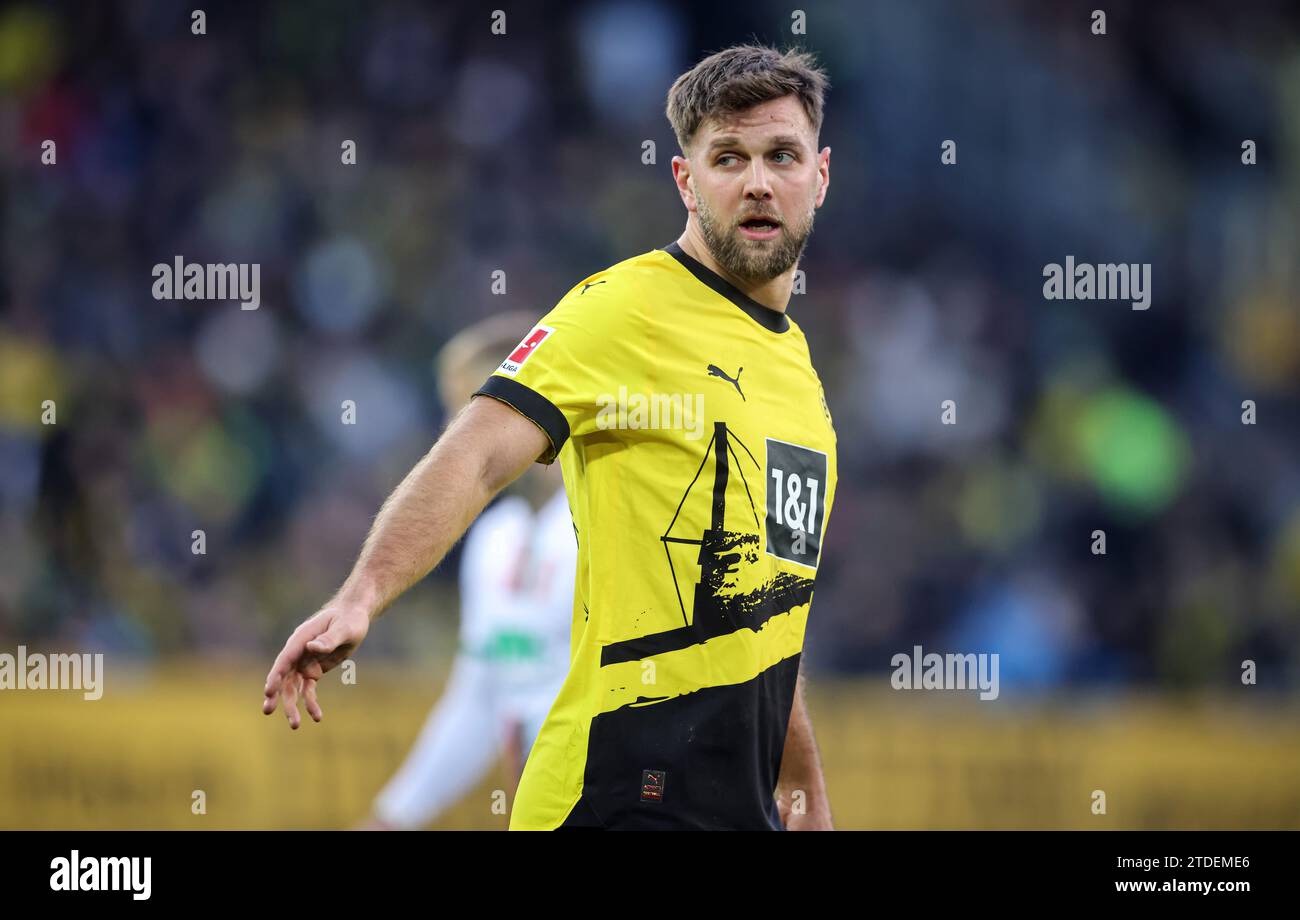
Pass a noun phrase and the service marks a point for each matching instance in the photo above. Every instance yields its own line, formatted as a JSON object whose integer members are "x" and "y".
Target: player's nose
{"x": 758, "y": 183}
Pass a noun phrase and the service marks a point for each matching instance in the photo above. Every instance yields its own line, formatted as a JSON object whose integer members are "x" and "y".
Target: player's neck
{"x": 773, "y": 294}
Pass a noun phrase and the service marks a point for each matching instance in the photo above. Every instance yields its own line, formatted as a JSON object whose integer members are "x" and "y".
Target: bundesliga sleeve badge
{"x": 524, "y": 350}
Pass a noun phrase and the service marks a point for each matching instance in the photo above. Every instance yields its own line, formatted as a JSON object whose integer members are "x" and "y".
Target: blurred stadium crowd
{"x": 523, "y": 152}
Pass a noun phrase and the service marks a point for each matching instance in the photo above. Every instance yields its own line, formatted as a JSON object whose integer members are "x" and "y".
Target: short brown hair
{"x": 739, "y": 78}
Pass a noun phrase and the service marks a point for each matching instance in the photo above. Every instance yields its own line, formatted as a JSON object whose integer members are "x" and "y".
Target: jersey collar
{"x": 765, "y": 316}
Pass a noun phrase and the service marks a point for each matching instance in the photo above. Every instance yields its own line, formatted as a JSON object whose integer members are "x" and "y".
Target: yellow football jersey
{"x": 699, "y": 460}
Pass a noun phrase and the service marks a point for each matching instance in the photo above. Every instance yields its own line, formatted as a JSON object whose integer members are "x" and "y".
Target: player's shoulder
{"x": 623, "y": 282}
{"x": 800, "y": 342}
{"x": 796, "y": 331}
{"x": 611, "y": 303}
{"x": 795, "y": 340}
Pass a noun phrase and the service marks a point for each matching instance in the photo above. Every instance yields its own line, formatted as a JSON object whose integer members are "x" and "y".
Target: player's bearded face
{"x": 755, "y": 260}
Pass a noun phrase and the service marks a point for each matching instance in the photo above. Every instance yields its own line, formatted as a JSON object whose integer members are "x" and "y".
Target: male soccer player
{"x": 516, "y": 603}
{"x": 699, "y": 460}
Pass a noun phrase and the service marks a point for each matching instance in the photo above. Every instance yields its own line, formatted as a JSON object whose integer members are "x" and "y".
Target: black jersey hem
{"x": 582, "y": 817}
{"x": 714, "y": 755}
{"x": 531, "y": 405}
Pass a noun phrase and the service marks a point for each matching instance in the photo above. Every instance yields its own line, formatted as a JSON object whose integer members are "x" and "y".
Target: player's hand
{"x": 317, "y": 646}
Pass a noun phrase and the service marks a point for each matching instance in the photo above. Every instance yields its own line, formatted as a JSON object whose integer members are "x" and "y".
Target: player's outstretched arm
{"x": 486, "y": 447}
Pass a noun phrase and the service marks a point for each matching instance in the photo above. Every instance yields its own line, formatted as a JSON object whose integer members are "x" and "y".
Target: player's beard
{"x": 753, "y": 261}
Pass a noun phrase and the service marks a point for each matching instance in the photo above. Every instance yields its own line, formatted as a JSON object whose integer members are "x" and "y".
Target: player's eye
{"x": 785, "y": 153}
{"x": 725, "y": 156}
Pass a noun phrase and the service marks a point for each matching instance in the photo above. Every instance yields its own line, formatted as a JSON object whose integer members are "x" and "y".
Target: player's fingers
{"x": 280, "y": 669}
{"x": 290, "y": 695}
{"x": 273, "y": 694}
{"x": 309, "y": 698}
{"x": 285, "y": 661}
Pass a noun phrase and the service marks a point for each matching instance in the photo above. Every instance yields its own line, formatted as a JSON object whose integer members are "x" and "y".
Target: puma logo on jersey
{"x": 588, "y": 284}
{"x": 715, "y": 371}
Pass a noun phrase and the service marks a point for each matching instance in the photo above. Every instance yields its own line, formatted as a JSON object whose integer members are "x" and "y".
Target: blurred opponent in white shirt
{"x": 516, "y": 602}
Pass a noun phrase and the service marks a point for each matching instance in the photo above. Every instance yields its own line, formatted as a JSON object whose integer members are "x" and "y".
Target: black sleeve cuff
{"x": 531, "y": 405}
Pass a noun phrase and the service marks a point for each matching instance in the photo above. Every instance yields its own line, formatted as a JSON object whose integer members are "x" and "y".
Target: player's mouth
{"x": 760, "y": 228}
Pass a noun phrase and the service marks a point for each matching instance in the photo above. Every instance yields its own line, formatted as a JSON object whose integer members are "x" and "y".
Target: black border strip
{"x": 773, "y": 320}
{"x": 1028, "y": 867}
{"x": 531, "y": 405}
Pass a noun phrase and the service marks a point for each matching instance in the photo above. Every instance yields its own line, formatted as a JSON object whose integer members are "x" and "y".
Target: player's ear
{"x": 682, "y": 177}
{"x": 823, "y": 175}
